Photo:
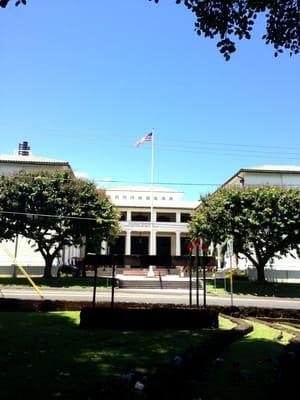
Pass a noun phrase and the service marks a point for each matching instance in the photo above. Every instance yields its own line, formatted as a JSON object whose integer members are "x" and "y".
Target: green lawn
{"x": 245, "y": 287}
{"x": 47, "y": 355}
{"x": 219, "y": 287}
{"x": 256, "y": 354}
{"x": 56, "y": 282}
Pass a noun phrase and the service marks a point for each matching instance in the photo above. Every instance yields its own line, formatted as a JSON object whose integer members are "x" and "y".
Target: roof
{"x": 273, "y": 168}
{"x": 173, "y": 204}
{"x": 141, "y": 189}
{"x": 162, "y": 197}
{"x": 267, "y": 169}
{"x": 18, "y": 159}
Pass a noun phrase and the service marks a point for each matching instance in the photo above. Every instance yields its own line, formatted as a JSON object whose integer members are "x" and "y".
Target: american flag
{"x": 147, "y": 138}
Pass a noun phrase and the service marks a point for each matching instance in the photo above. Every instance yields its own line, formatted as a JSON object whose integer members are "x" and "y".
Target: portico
{"x": 168, "y": 229}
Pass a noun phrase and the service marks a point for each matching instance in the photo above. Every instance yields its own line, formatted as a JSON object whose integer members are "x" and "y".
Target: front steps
{"x": 125, "y": 282}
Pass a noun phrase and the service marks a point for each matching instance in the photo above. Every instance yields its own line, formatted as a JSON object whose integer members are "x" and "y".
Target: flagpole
{"x": 152, "y": 180}
{"x": 150, "y": 271}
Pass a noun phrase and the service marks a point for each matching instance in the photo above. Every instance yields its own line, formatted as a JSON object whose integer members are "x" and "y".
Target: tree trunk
{"x": 261, "y": 273}
{"x": 48, "y": 265}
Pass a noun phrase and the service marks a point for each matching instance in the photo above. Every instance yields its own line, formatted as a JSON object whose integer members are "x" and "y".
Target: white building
{"x": 286, "y": 268}
{"x": 13, "y": 164}
{"x": 24, "y": 252}
{"x": 166, "y": 233}
{"x": 283, "y": 175}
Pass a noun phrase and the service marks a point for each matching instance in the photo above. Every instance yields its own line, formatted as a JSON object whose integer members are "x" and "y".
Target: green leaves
{"x": 264, "y": 216}
{"x": 55, "y": 209}
{"x": 230, "y": 19}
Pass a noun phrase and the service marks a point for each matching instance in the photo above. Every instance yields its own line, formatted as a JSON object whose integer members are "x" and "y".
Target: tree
{"x": 3, "y": 3}
{"x": 7, "y": 231}
{"x": 227, "y": 19}
{"x": 263, "y": 222}
{"x": 54, "y": 209}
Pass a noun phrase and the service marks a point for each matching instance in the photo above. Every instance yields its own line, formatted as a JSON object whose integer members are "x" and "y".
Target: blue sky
{"x": 83, "y": 81}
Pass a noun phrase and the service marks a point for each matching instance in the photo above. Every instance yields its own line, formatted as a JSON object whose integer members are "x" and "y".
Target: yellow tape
{"x": 23, "y": 271}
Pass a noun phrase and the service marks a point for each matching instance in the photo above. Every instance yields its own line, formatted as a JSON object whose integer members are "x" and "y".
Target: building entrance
{"x": 119, "y": 246}
{"x": 163, "y": 245}
{"x": 139, "y": 245}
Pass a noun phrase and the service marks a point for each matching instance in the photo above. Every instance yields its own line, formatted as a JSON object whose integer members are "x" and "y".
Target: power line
{"x": 236, "y": 145}
{"x": 54, "y": 216}
{"x": 234, "y": 152}
{"x": 157, "y": 183}
{"x": 130, "y": 141}
{"x": 98, "y": 180}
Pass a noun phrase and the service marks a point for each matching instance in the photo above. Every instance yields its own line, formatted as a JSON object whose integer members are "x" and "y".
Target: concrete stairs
{"x": 155, "y": 283}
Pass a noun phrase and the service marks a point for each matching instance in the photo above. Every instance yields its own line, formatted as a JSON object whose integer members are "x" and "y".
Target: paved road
{"x": 147, "y": 296}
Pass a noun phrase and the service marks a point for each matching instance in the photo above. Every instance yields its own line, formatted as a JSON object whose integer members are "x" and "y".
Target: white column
{"x": 82, "y": 249}
{"x": 152, "y": 247}
{"x": 128, "y": 215}
{"x": 128, "y": 243}
{"x": 219, "y": 255}
{"x": 178, "y": 250}
{"x": 178, "y": 216}
{"x": 152, "y": 251}
{"x": 103, "y": 248}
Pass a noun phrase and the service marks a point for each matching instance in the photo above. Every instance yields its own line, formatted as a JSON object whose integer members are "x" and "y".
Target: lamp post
{"x": 230, "y": 254}
{"x": 204, "y": 248}
{"x": 197, "y": 244}
{"x": 190, "y": 249}
{"x": 94, "y": 286}
{"x": 16, "y": 254}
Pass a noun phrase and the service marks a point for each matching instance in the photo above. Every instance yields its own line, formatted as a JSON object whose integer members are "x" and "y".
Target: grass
{"x": 219, "y": 287}
{"x": 248, "y": 367}
{"x": 47, "y": 355}
{"x": 245, "y": 287}
{"x": 56, "y": 282}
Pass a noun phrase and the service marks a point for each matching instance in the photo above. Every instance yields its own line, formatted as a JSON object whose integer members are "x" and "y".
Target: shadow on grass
{"x": 284, "y": 290}
{"x": 47, "y": 355}
{"x": 249, "y": 371}
{"x": 57, "y": 282}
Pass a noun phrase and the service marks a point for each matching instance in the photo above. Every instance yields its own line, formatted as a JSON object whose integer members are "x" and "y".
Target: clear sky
{"x": 82, "y": 81}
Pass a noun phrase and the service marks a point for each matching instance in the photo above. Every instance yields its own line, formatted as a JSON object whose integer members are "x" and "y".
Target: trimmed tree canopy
{"x": 54, "y": 209}
{"x": 263, "y": 222}
{"x": 229, "y": 19}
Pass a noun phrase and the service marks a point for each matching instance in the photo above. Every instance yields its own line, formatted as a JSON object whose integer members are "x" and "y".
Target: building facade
{"x": 282, "y": 175}
{"x": 153, "y": 221}
{"x": 286, "y": 268}
{"x": 20, "y": 248}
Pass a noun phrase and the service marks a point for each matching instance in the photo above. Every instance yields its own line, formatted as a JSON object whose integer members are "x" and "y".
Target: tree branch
{"x": 3, "y": 3}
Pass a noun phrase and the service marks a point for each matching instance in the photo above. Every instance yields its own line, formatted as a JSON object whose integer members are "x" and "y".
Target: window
{"x": 163, "y": 198}
{"x": 140, "y": 216}
{"x": 140, "y": 198}
{"x": 116, "y": 197}
{"x": 170, "y": 198}
{"x": 124, "y": 197}
{"x": 185, "y": 217}
{"x": 165, "y": 217}
{"x": 148, "y": 198}
{"x": 131, "y": 197}
{"x": 123, "y": 216}
{"x": 155, "y": 198}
